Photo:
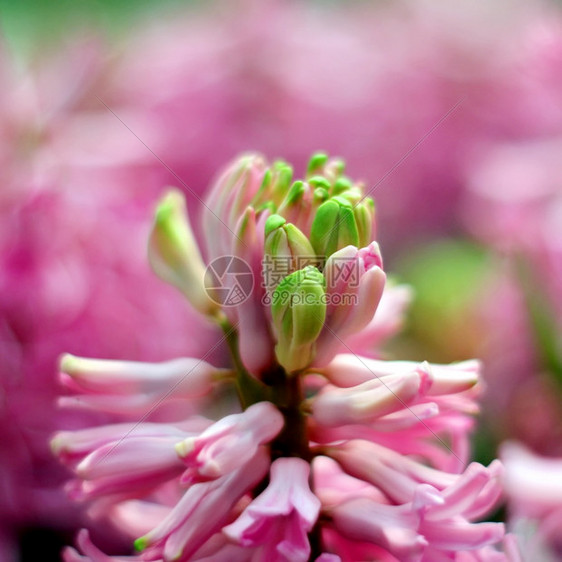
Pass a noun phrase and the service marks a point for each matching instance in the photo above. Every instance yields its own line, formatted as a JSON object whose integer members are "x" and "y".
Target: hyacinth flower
{"x": 330, "y": 455}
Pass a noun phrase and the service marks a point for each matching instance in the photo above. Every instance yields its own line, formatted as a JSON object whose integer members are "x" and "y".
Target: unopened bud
{"x": 302, "y": 202}
{"x": 173, "y": 252}
{"x": 299, "y": 311}
{"x": 287, "y": 249}
{"x": 235, "y": 189}
{"x": 316, "y": 163}
{"x": 364, "y": 213}
{"x": 334, "y": 227}
{"x": 282, "y": 175}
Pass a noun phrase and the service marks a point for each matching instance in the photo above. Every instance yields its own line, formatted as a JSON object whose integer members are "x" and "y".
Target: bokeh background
{"x": 450, "y": 111}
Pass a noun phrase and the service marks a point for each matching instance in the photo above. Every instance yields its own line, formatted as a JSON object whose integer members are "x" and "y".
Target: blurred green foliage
{"x": 30, "y": 26}
{"x": 448, "y": 277}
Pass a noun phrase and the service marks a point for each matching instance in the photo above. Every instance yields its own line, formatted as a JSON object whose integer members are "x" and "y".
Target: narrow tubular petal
{"x": 131, "y": 457}
{"x": 183, "y": 377}
{"x": 350, "y": 369}
{"x": 365, "y": 402}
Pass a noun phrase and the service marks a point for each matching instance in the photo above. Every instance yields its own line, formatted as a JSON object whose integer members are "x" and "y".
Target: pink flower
{"x": 408, "y": 530}
{"x": 358, "y": 274}
{"x": 394, "y": 528}
{"x": 450, "y": 502}
{"x": 367, "y": 401}
{"x": 280, "y": 518}
{"x": 348, "y": 370}
{"x": 132, "y": 466}
{"x": 404, "y": 397}
{"x": 70, "y": 169}
{"x": 399, "y": 476}
{"x": 229, "y": 443}
{"x": 72, "y": 447}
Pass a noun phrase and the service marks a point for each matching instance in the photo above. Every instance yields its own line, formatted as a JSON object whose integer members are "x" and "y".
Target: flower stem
{"x": 288, "y": 396}
{"x": 286, "y": 392}
{"x": 249, "y": 389}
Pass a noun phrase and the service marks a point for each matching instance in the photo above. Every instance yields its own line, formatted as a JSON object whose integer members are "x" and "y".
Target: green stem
{"x": 249, "y": 389}
{"x": 287, "y": 395}
{"x": 286, "y": 392}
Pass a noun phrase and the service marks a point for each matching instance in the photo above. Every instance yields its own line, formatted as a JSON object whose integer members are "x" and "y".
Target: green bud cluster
{"x": 304, "y": 222}
{"x": 308, "y": 221}
{"x": 326, "y": 205}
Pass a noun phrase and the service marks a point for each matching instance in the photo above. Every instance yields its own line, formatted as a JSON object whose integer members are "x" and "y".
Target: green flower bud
{"x": 353, "y": 195}
{"x": 286, "y": 250}
{"x": 320, "y": 195}
{"x": 334, "y": 227}
{"x": 342, "y": 184}
{"x": 296, "y": 194}
{"x": 299, "y": 311}
{"x": 274, "y": 186}
{"x": 299, "y": 207}
{"x": 320, "y": 165}
{"x": 316, "y": 164}
{"x": 364, "y": 213}
{"x": 282, "y": 175}
{"x": 321, "y": 182}
{"x": 173, "y": 252}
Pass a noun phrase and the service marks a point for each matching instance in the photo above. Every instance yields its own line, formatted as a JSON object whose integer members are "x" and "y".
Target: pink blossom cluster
{"x": 331, "y": 452}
